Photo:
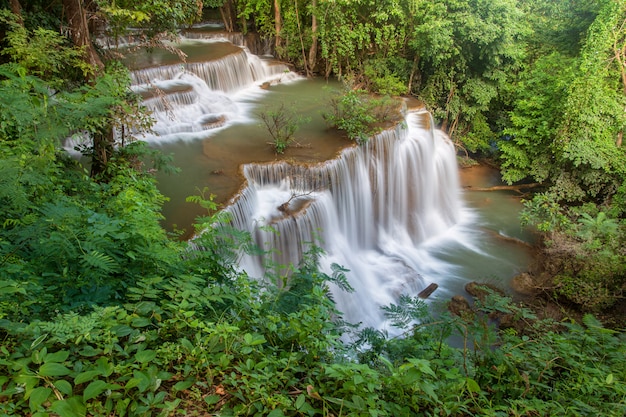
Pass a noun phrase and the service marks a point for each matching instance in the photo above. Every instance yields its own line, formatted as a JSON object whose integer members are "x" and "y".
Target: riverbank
{"x": 539, "y": 287}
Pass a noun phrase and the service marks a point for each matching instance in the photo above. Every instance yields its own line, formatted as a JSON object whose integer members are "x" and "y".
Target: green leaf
{"x": 140, "y": 322}
{"x": 253, "y": 339}
{"x": 28, "y": 381}
{"x": 183, "y": 385}
{"x": 94, "y": 389}
{"x": 212, "y": 399}
{"x": 37, "y": 397}
{"x": 277, "y": 412}
{"x": 472, "y": 385}
{"x": 90, "y": 351}
{"x": 140, "y": 380}
{"x": 53, "y": 369}
{"x": 359, "y": 403}
{"x": 63, "y": 386}
{"x": 187, "y": 344}
{"x": 300, "y": 401}
{"x": 122, "y": 330}
{"x": 104, "y": 367}
{"x": 145, "y": 356}
{"x": 59, "y": 356}
{"x": 132, "y": 383}
{"x": 71, "y": 407}
{"x": 37, "y": 341}
{"x": 86, "y": 376}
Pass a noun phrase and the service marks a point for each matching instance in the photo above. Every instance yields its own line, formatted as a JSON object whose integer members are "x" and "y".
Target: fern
{"x": 595, "y": 327}
{"x": 99, "y": 260}
{"x": 407, "y": 310}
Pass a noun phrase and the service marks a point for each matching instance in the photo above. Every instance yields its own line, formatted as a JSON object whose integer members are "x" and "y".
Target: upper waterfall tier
{"x": 373, "y": 209}
{"x": 192, "y": 99}
{"x": 228, "y": 74}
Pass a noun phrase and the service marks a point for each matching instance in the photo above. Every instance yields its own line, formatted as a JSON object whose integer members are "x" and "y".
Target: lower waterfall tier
{"x": 378, "y": 210}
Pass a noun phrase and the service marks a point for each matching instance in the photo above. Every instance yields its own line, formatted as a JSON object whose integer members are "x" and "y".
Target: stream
{"x": 394, "y": 212}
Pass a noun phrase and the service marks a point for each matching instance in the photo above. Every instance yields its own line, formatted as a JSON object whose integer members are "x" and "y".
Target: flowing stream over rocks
{"x": 392, "y": 211}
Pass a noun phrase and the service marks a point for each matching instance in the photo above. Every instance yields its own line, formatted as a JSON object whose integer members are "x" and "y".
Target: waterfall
{"x": 193, "y": 100}
{"x": 375, "y": 210}
{"x": 387, "y": 210}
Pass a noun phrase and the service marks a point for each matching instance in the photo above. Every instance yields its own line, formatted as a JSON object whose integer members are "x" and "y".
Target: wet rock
{"x": 213, "y": 121}
{"x": 524, "y": 284}
{"x": 480, "y": 290}
{"x": 459, "y": 306}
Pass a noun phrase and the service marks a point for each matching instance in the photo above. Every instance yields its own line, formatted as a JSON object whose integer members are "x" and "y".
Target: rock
{"x": 459, "y": 306}
{"x": 524, "y": 284}
{"x": 480, "y": 290}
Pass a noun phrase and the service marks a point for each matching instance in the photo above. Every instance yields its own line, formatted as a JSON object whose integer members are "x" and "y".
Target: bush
{"x": 359, "y": 114}
{"x": 282, "y": 124}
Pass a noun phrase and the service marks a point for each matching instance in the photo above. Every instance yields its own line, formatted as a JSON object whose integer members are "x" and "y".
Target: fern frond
{"x": 595, "y": 326}
{"x": 407, "y": 310}
{"x": 99, "y": 260}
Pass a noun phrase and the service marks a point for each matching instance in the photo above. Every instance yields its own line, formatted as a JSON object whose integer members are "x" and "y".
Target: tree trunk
{"x": 278, "y": 25}
{"x": 414, "y": 71}
{"x": 103, "y": 147}
{"x": 304, "y": 58}
{"x": 228, "y": 16}
{"x": 16, "y": 9}
{"x": 518, "y": 187}
{"x": 75, "y": 12}
{"x": 313, "y": 49}
{"x": 76, "y": 15}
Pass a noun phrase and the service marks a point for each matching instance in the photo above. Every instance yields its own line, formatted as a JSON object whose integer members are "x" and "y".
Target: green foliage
{"x": 600, "y": 227}
{"x": 102, "y": 314}
{"x": 281, "y": 123}
{"x": 544, "y": 213}
{"x": 568, "y": 112}
{"x": 151, "y": 17}
{"x": 191, "y": 333}
{"x": 359, "y": 114}
{"x": 350, "y": 114}
{"x": 384, "y": 79}
{"x": 584, "y": 249}
{"x": 41, "y": 52}
{"x": 465, "y": 53}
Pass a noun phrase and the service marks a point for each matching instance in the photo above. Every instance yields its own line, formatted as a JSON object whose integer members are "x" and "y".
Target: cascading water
{"x": 193, "y": 100}
{"x": 374, "y": 210}
{"x": 390, "y": 211}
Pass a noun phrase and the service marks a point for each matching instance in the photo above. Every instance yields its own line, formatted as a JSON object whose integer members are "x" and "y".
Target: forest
{"x": 105, "y": 313}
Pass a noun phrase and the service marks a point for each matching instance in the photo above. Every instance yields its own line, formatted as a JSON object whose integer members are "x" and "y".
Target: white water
{"x": 194, "y": 100}
{"x": 380, "y": 210}
{"x": 390, "y": 211}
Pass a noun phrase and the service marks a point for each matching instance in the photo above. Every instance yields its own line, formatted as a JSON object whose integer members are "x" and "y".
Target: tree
{"x": 466, "y": 53}
{"x": 152, "y": 18}
{"x": 75, "y": 12}
{"x": 568, "y": 118}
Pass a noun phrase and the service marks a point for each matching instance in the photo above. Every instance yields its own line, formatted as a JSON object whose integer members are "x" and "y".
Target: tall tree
{"x": 278, "y": 25}
{"x": 75, "y": 12}
{"x": 16, "y": 8}
{"x": 573, "y": 141}
{"x": 466, "y": 51}
{"x": 314, "y": 35}
{"x": 152, "y": 18}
